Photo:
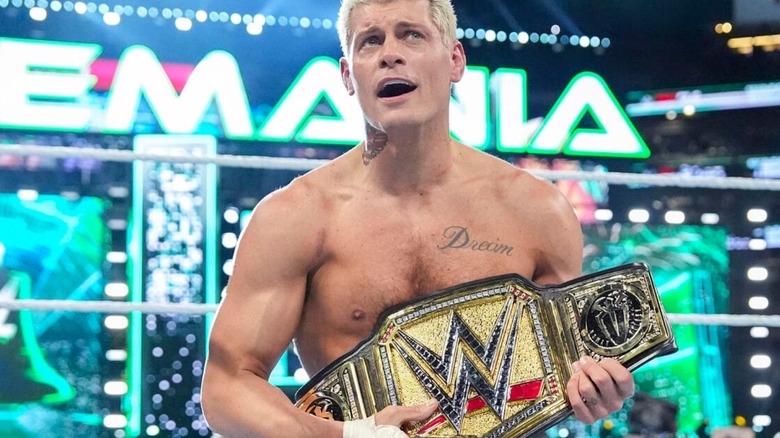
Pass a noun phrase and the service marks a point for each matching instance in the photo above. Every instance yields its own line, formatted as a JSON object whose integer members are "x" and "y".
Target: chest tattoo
{"x": 458, "y": 237}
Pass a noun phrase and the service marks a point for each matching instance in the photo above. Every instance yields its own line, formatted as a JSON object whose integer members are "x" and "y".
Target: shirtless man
{"x": 322, "y": 257}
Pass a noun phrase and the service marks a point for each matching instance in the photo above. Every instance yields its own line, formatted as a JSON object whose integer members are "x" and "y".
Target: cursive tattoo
{"x": 376, "y": 141}
{"x": 457, "y": 237}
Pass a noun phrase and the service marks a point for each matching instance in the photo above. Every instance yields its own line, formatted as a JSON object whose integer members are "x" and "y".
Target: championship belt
{"x": 495, "y": 353}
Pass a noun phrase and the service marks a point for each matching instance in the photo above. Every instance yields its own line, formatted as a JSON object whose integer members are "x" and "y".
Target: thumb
{"x": 398, "y": 415}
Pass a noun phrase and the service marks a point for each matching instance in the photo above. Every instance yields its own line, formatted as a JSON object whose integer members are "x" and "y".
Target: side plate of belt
{"x": 495, "y": 353}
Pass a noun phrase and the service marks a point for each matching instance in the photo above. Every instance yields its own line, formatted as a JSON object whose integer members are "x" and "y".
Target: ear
{"x": 346, "y": 76}
{"x": 458, "y": 61}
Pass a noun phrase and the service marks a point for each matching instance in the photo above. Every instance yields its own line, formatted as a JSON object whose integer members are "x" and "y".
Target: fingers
{"x": 398, "y": 415}
{"x": 597, "y": 389}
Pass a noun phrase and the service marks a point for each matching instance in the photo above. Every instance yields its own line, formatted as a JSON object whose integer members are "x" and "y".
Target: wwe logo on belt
{"x": 496, "y": 355}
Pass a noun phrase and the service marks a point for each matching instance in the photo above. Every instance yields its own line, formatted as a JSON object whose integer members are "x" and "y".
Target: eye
{"x": 413, "y": 34}
{"x": 371, "y": 41}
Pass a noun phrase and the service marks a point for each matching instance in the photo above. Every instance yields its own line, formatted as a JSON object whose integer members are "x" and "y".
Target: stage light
{"x": 555, "y": 29}
{"x": 201, "y": 16}
{"x": 513, "y": 37}
{"x": 757, "y": 215}
{"x": 153, "y": 430}
{"x": 231, "y": 215}
{"x": 584, "y": 42}
{"x": 595, "y": 41}
{"x": 229, "y": 240}
{"x": 490, "y": 35}
{"x": 762, "y": 420}
{"x": 235, "y": 18}
{"x": 603, "y": 215}
{"x": 574, "y": 40}
{"x": 534, "y": 37}
{"x": 480, "y": 34}
{"x": 111, "y": 18}
{"x": 459, "y": 33}
{"x": 38, "y": 14}
{"x": 183, "y": 24}
{"x": 523, "y": 38}
{"x": 327, "y": 24}
{"x": 305, "y": 23}
{"x": 115, "y": 387}
{"x": 102, "y": 8}
{"x": 639, "y": 215}
{"x": 118, "y": 192}
{"x": 564, "y": 433}
{"x": 141, "y": 11}
{"x": 501, "y": 36}
{"x": 757, "y": 273}
{"x": 565, "y": 39}
{"x": 689, "y": 110}
{"x": 553, "y": 39}
{"x": 116, "y": 355}
{"x": 117, "y": 224}
{"x": 117, "y": 290}
{"x": 115, "y": 421}
{"x": 227, "y": 267}
{"x": 116, "y": 322}
{"x": 70, "y": 195}
{"x": 759, "y": 332}
{"x": 674, "y": 217}
{"x": 282, "y": 21}
{"x": 710, "y": 218}
{"x": 727, "y": 27}
{"x": 254, "y": 28}
{"x": 301, "y": 376}
{"x": 758, "y": 303}
{"x": 544, "y": 38}
{"x": 761, "y": 391}
{"x": 757, "y": 244}
{"x": 760, "y": 361}
{"x": 27, "y": 195}
{"x": 606, "y": 42}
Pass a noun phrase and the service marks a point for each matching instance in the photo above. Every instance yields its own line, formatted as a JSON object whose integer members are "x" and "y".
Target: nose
{"x": 392, "y": 53}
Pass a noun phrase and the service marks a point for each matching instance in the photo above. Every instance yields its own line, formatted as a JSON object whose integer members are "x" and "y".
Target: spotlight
{"x": 761, "y": 391}
{"x": 757, "y": 215}
{"x": 760, "y": 361}
{"x": 757, "y": 273}
{"x": 758, "y": 303}
{"x": 639, "y": 215}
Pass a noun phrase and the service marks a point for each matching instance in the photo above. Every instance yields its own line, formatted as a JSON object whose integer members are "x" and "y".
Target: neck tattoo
{"x": 376, "y": 141}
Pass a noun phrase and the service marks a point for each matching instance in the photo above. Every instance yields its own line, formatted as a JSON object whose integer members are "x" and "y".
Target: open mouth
{"x": 396, "y": 88}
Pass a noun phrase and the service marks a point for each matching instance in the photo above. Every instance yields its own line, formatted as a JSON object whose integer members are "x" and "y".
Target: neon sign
{"x": 46, "y": 85}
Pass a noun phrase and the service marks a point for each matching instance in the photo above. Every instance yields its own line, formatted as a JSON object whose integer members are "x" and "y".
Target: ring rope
{"x": 305, "y": 164}
{"x": 194, "y": 308}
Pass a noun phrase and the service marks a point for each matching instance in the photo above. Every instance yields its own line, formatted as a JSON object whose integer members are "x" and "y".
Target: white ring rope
{"x": 198, "y": 309}
{"x": 305, "y": 164}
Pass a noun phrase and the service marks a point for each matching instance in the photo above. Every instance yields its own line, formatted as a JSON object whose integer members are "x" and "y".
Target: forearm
{"x": 252, "y": 407}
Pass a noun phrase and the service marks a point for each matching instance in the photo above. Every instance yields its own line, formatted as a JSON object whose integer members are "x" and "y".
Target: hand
{"x": 597, "y": 389}
{"x": 387, "y": 422}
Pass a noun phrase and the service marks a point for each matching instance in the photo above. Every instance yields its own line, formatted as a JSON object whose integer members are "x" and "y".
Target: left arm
{"x": 596, "y": 389}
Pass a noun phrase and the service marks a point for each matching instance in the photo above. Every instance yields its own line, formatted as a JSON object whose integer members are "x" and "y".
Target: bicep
{"x": 263, "y": 301}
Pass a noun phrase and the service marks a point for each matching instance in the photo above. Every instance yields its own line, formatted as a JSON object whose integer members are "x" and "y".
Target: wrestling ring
{"x": 705, "y": 322}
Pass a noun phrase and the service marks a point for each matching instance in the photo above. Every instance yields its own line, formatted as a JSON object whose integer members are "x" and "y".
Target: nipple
{"x": 358, "y": 314}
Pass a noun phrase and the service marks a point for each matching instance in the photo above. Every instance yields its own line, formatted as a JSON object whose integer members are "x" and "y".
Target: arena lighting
{"x": 757, "y": 215}
{"x": 564, "y": 433}
{"x": 116, "y": 257}
{"x": 229, "y": 240}
{"x": 757, "y": 273}
{"x": 116, "y": 355}
{"x": 639, "y": 215}
{"x": 115, "y": 421}
{"x": 674, "y": 217}
{"x": 118, "y": 192}
{"x": 757, "y": 244}
{"x": 760, "y": 361}
{"x": 183, "y": 24}
{"x": 117, "y": 224}
{"x": 116, "y": 322}
{"x": 111, "y": 18}
{"x": 762, "y": 420}
{"x": 227, "y": 267}
{"x": 603, "y": 215}
{"x": 153, "y": 430}
{"x": 759, "y": 332}
{"x": 761, "y": 391}
{"x": 710, "y": 218}
{"x": 115, "y": 387}
{"x": 117, "y": 290}
{"x": 254, "y": 28}
{"x": 758, "y": 303}
{"x": 231, "y": 215}
{"x": 70, "y": 195}
{"x": 27, "y": 195}
{"x": 38, "y": 14}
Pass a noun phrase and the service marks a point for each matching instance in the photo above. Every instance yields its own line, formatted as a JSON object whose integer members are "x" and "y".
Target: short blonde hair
{"x": 442, "y": 14}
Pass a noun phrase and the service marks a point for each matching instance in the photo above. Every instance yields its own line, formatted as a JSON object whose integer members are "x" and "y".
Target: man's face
{"x": 399, "y": 67}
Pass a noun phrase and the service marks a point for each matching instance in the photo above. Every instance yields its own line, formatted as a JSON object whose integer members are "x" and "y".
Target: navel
{"x": 358, "y": 314}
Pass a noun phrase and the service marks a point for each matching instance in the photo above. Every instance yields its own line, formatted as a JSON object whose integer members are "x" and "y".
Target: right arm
{"x": 256, "y": 322}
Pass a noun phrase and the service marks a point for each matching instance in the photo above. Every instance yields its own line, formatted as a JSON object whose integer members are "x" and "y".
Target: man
{"x": 322, "y": 257}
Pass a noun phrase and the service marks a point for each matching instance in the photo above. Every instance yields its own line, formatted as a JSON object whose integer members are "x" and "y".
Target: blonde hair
{"x": 442, "y": 14}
